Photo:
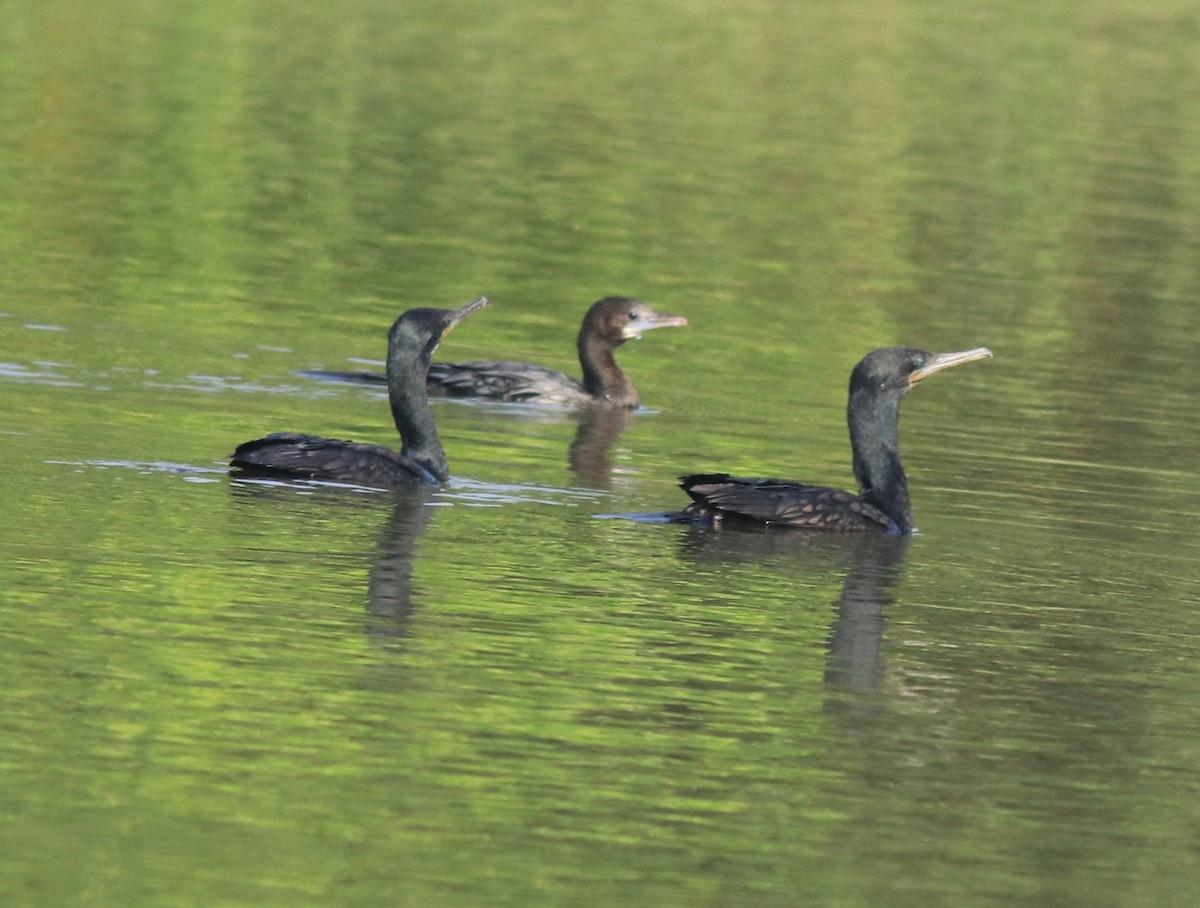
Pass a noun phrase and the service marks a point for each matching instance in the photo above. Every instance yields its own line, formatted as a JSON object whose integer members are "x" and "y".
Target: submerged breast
{"x": 288, "y": 454}
{"x": 782, "y": 503}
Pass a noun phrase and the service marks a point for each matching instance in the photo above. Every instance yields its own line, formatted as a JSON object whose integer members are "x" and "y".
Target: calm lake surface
{"x": 229, "y": 693}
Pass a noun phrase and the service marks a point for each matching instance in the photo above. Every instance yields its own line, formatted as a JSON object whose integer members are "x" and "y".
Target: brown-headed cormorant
{"x": 411, "y": 342}
{"x": 606, "y": 325}
{"x": 877, "y": 385}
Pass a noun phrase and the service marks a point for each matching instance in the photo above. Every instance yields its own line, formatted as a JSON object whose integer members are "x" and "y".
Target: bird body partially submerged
{"x": 413, "y": 338}
{"x": 609, "y": 323}
{"x": 511, "y": 381}
{"x": 877, "y": 385}
{"x": 292, "y": 455}
{"x": 719, "y": 497}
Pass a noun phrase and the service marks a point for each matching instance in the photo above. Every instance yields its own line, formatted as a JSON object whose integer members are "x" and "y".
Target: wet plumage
{"x": 413, "y": 338}
{"x": 291, "y": 454}
{"x": 779, "y": 501}
{"x": 609, "y": 323}
{"x": 877, "y": 385}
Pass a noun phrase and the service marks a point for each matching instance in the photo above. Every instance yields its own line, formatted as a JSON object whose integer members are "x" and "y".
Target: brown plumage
{"x": 609, "y": 323}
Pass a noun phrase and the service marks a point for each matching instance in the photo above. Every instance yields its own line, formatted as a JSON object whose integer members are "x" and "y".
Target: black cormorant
{"x": 411, "y": 342}
{"x": 877, "y": 385}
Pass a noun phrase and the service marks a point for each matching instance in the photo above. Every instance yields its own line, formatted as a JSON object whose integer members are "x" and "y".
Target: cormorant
{"x": 877, "y": 385}
{"x": 413, "y": 338}
{"x": 606, "y": 325}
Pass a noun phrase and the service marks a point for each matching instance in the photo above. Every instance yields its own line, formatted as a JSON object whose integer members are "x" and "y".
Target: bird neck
{"x": 602, "y": 377}
{"x": 414, "y": 419}
{"x": 875, "y": 441}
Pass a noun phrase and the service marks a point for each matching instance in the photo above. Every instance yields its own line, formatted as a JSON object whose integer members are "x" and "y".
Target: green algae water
{"x": 227, "y": 693}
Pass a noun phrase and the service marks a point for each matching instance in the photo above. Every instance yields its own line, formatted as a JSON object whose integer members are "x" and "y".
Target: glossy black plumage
{"x": 413, "y": 338}
{"x": 877, "y": 385}
{"x": 780, "y": 501}
{"x": 291, "y": 454}
{"x": 606, "y": 325}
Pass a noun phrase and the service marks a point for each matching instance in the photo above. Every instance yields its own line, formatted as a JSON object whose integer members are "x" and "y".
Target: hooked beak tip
{"x": 940, "y": 361}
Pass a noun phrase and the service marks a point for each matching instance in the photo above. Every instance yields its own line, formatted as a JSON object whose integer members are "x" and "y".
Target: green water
{"x": 227, "y": 694}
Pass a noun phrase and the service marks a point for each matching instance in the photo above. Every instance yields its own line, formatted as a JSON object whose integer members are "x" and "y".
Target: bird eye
{"x": 919, "y": 362}
{"x": 633, "y": 315}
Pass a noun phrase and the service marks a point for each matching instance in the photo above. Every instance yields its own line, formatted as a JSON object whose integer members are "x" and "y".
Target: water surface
{"x": 235, "y": 693}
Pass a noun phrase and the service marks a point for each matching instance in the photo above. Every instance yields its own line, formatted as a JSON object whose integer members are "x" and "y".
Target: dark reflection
{"x": 588, "y": 454}
{"x": 855, "y": 645}
{"x": 390, "y": 591}
{"x": 390, "y": 587}
{"x": 873, "y": 565}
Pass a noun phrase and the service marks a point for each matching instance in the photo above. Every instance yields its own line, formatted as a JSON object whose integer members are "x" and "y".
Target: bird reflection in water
{"x": 598, "y": 430}
{"x": 855, "y": 645}
{"x": 390, "y": 591}
{"x": 873, "y": 566}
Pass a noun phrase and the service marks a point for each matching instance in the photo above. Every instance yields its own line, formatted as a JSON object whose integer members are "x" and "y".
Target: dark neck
{"x": 602, "y": 377}
{"x": 414, "y": 419}
{"x": 875, "y": 440}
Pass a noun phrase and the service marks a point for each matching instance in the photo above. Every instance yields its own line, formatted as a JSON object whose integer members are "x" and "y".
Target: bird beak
{"x": 648, "y": 322}
{"x": 457, "y": 315}
{"x": 939, "y": 361}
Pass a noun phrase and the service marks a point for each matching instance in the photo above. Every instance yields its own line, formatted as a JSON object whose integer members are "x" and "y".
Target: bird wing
{"x": 314, "y": 457}
{"x": 506, "y": 381}
{"x": 778, "y": 501}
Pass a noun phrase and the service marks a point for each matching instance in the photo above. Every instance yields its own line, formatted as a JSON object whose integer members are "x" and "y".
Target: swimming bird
{"x": 877, "y": 385}
{"x": 413, "y": 338}
{"x": 606, "y": 325}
